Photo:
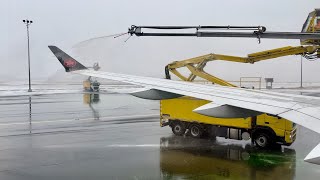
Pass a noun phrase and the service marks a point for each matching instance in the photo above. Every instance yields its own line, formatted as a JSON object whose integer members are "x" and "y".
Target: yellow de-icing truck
{"x": 264, "y": 130}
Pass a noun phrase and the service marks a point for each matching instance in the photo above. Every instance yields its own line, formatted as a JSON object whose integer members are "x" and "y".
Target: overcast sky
{"x": 66, "y": 23}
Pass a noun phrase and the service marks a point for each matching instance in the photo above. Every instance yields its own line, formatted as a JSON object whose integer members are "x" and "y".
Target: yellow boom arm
{"x": 195, "y": 65}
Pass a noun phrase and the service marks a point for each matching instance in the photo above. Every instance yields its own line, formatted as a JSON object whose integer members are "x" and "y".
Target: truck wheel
{"x": 196, "y": 130}
{"x": 262, "y": 140}
{"x": 178, "y": 128}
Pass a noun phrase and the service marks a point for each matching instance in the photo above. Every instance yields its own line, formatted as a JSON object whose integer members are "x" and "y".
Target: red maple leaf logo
{"x": 69, "y": 63}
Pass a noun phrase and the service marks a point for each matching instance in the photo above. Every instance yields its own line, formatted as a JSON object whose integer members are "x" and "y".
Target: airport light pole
{"x": 301, "y": 72}
{"x": 27, "y": 23}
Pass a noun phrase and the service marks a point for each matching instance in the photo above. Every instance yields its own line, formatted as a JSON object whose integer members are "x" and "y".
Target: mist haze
{"x": 68, "y": 23}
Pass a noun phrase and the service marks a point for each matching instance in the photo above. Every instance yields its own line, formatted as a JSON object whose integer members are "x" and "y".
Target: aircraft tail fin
{"x": 69, "y": 63}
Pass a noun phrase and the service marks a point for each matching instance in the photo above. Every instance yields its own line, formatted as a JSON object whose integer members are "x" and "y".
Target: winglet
{"x": 69, "y": 63}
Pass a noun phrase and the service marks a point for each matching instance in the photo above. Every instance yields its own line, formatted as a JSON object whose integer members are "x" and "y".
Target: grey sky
{"x": 66, "y": 23}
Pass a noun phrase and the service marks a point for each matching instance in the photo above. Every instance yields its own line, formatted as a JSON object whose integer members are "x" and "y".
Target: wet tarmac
{"x": 112, "y": 136}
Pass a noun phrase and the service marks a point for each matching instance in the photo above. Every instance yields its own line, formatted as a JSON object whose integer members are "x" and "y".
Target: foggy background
{"x": 68, "y": 23}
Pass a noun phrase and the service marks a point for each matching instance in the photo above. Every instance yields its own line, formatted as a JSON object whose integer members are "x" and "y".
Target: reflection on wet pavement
{"x": 63, "y": 112}
{"x": 190, "y": 158}
{"x": 112, "y": 136}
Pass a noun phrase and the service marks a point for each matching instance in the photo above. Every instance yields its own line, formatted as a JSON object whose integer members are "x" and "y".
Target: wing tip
{"x": 69, "y": 63}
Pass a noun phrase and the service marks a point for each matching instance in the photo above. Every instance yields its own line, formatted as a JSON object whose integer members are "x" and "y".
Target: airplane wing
{"x": 225, "y": 101}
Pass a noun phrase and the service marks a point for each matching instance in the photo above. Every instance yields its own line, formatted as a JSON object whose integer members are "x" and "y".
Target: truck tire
{"x": 196, "y": 130}
{"x": 262, "y": 140}
{"x": 178, "y": 128}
